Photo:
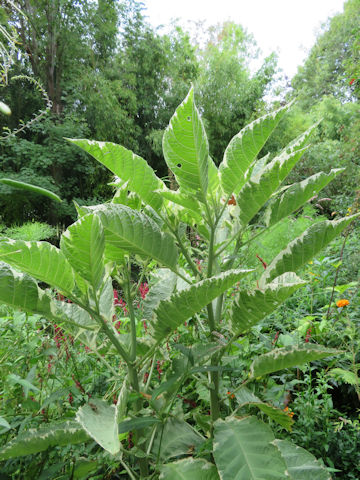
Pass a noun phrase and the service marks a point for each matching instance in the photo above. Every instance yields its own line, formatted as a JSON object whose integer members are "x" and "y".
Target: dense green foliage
{"x": 169, "y": 336}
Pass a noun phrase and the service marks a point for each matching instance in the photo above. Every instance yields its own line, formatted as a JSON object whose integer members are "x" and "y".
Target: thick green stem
{"x": 186, "y": 254}
{"x": 214, "y": 375}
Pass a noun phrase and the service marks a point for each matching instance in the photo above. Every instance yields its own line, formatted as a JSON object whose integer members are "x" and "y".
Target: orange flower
{"x": 231, "y": 395}
{"x": 286, "y": 410}
{"x": 342, "y": 303}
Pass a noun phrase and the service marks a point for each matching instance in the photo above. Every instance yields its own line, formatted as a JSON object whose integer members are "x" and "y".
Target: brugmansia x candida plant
{"x": 149, "y": 224}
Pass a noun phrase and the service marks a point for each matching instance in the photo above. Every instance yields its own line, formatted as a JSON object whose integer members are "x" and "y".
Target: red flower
{"x": 352, "y": 81}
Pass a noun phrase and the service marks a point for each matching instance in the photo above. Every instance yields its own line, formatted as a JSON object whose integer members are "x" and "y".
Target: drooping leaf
{"x": 243, "y": 450}
{"x": 21, "y": 291}
{"x": 30, "y": 188}
{"x": 83, "y": 245}
{"x": 186, "y": 149}
{"x": 303, "y": 248}
{"x": 243, "y": 150}
{"x": 250, "y": 308}
{"x": 4, "y": 423}
{"x": 98, "y": 419}
{"x": 245, "y": 397}
{"x": 297, "y": 194}
{"x": 40, "y": 260}
{"x": 128, "y": 166}
{"x": 38, "y": 440}
{"x": 189, "y": 469}
{"x": 288, "y": 357}
{"x": 171, "y": 313}
{"x": 301, "y": 464}
{"x": 134, "y": 232}
{"x": 177, "y": 438}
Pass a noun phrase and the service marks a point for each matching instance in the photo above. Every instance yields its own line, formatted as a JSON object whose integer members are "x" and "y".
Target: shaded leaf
{"x": 301, "y": 464}
{"x": 38, "y": 440}
{"x": 98, "y": 419}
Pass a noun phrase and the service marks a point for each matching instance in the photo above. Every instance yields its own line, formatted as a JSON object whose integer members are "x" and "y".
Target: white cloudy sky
{"x": 286, "y": 26}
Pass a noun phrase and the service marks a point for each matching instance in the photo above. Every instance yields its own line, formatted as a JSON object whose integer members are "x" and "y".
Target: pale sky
{"x": 288, "y": 27}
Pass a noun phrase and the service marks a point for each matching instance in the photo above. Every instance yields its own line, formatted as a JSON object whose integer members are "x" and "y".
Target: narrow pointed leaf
{"x": 171, "y": 313}
{"x": 297, "y": 194}
{"x": 301, "y": 464}
{"x": 41, "y": 260}
{"x": 83, "y": 245}
{"x": 98, "y": 419}
{"x": 250, "y": 308}
{"x": 288, "y": 357}
{"x": 255, "y": 193}
{"x": 30, "y": 188}
{"x": 243, "y": 451}
{"x": 304, "y": 247}
{"x": 244, "y": 148}
{"x": 176, "y": 438}
{"x": 128, "y": 166}
{"x": 134, "y": 232}
{"x": 39, "y": 440}
{"x": 189, "y": 468}
{"x": 186, "y": 149}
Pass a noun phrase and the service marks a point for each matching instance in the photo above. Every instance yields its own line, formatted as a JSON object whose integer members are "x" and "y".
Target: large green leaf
{"x": 38, "y": 440}
{"x": 40, "y": 260}
{"x": 171, "y": 313}
{"x": 134, "y": 232}
{"x": 297, "y": 194}
{"x": 243, "y": 450}
{"x": 304, "y": 247}
{"x": 186, "y": 149}
{"x": 189, "y": 469}
{"x": 83, "y": 244}
{"x": 250, "y": 308}
{"x": 288, "y": 357}
{"x": 301, "y": 465}
{"x": 175, "y": 438}
{"x": 131, "y": 168}
{"x": 99, "y": 420}
{"x": 243, "y": 150}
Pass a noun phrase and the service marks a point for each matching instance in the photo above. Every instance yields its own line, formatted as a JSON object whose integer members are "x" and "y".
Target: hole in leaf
{"x": 179, "y": 165}
{"x": 188, "y": 119}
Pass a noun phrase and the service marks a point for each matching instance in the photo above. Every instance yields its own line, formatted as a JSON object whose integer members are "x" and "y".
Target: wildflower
{"x": 143, "y": 289}
{"x": 342, "y": 303}
{"x": 288, "y": 412}
{"x": 70, "y": 398}
{"x": 352, "y": 81}
{"x": 308, "y": 335}
{"x": 231, "y": 395}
